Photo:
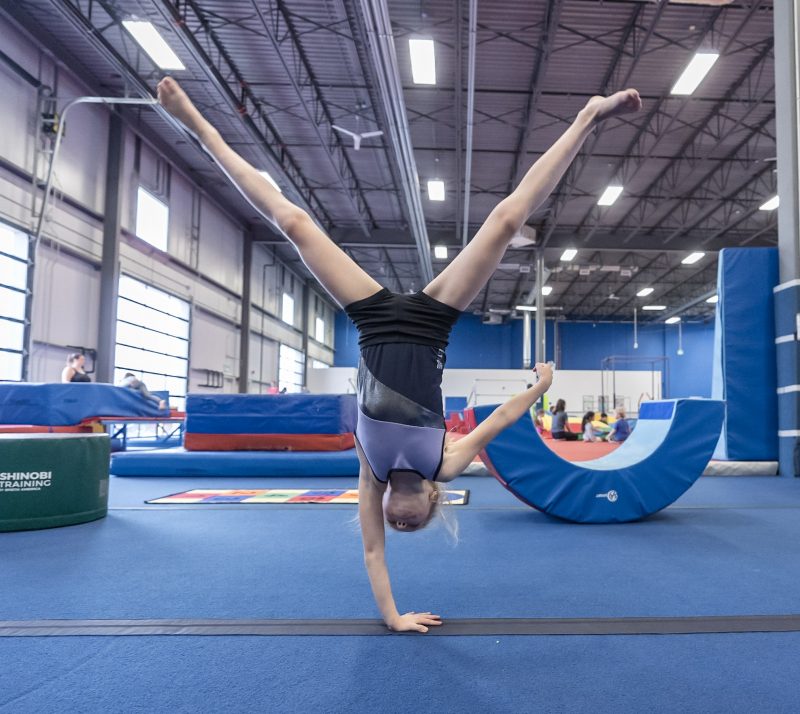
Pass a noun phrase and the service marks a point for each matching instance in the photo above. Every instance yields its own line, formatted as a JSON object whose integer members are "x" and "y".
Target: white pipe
{"x": 473, "y": 22}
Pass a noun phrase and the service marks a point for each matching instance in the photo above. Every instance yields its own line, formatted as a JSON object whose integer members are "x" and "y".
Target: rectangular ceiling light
{"x": 568, "y": 254}
{"x": 440, "y": 252}
{"x": 698, "y": 68}
{"x": 526, "y": 308}
{"x": 672, "y": 320}
{"x": 610, "y": 195}
{"x": 153, "y": 44}
{"x": 692, "y": 258}
{"x": 713, "y": 300}
{"x": 271, "y": 180}
{"x": 654, "y": 307}
{"x": 436, "y": 190}
{"x": 546, "y": 290}
{"x": 770, "y": 205}
{"x": 644, "y": 292}
{"x": 423, "y": 61}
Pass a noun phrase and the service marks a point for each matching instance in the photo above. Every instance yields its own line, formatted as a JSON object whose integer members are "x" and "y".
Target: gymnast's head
{"x": 410, "y": 502}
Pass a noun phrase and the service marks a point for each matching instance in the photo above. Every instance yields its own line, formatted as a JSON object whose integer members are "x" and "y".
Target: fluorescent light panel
{"x": 423, "y": 61}
{"x": 568, "y": 254}
{"x": 546, "y": 290}
{"x": 610, "y": 195}
{"x": 151, "y": 41}
{"x": 698, "y": 68}
{"x": 692, "y": 258}
{"x": 271, "y": 180}
{"x": 654, "y": 307}
{"x": 672, "y": 320}
{"x": 644, "y": 292}
{"x": 526, "y": 308}
{"x": 436, "y": 190}
{"x": 713, "y": 300}
{"x": 770, "y": 205}
{"x": 440, "y": 252}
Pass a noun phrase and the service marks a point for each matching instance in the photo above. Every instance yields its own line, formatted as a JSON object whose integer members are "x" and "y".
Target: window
{"x": 290, "y": 370}
{"x": 287, "y": 309}
{"x": 152, "y": 219}
{"x": 152, "y": 338}
{"x": 13, "y": 301}
{"x": 319, "y": 330}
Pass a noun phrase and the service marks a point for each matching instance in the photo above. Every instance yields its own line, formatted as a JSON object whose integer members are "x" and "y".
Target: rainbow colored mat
{"x": 201, "y": 496}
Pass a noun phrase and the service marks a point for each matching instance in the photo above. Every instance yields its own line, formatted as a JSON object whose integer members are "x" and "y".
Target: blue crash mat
{"x": 177, "y": 462}
{"x": 69, "y": 404}
{"x": 270, "y": 413}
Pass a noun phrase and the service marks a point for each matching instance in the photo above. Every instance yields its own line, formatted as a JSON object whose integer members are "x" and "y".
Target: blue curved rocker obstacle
{"x": 667, "y": 452}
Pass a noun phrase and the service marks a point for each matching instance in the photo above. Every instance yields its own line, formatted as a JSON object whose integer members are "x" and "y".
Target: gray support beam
{"x": 384, "y": 59}
{"x": 473, "y": 20}
{"x": 539, "y": 352}
{"x": 787, "y": 96}
{"x": 109, "y": 266}
{"x": 787, "y": 296}
{"x": 305, "y": 326}
{"x": 526, "y": 339}
{"x": 244, "y": 322}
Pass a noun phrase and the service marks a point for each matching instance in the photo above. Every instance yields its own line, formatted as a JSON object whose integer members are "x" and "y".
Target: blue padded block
{"x": 744, "y": 338}
{"x": 177, "y": 462}
{"x": 69, "y": 404}
{"x": 659, "y": 461}
{"x": 270, "y": 413}
{"x": 656, "y": 410}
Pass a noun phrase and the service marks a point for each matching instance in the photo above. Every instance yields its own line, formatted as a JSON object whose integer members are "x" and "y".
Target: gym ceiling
{"x": 276, "y": 75}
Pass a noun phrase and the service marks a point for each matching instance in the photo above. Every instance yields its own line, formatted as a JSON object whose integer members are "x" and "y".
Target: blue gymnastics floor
{"x": 727, "y": 547}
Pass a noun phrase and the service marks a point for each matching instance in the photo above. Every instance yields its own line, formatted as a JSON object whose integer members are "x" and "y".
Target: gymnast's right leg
{"x": 336, "y": 271}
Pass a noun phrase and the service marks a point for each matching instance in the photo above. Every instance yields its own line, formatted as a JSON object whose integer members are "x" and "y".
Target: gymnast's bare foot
{"x": 627, "y": 101}
{"x": 175, "y": 101}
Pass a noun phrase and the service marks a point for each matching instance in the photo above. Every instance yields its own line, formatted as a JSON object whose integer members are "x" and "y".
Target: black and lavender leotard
{"x": 400, "y": 416}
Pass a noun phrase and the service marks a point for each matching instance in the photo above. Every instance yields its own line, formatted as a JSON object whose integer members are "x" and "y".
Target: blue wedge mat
{"x": 666, "y": 453}
{"x": 68, "y": 404}
{"x": 177, "y": 462}
{"x": 270, "y": 413}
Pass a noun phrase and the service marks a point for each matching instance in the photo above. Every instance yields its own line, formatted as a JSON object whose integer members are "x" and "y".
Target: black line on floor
{"x": 463, "y": 627}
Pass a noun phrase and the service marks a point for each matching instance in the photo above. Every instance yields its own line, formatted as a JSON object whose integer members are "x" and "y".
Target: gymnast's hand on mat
{"x": 414, "y": 622}
{"x": 627, "y": 101}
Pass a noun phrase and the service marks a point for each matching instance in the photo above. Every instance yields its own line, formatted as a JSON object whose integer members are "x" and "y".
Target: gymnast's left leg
{"x": 459, "y": 283}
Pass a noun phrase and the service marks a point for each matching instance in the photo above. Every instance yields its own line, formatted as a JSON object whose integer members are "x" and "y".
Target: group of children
{"x": 591, "y": 430}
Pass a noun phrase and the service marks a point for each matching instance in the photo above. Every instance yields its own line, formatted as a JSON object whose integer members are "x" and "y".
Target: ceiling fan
{"x": 357, "y": 137}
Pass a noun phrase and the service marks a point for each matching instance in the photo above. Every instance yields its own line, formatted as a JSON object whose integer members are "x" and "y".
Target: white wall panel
{"x": 17, "y": 117}
{"x": 65, "y": 308}
{"x": 80, "y": 169}
{"x": 180, "y": 218}
{"x": 263, "y": 363}
{"x": 214, "y": 346}
{"x": 221, "y": 243}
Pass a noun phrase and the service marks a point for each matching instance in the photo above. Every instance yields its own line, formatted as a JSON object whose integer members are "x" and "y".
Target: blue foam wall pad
{"x": 661, "y": 459}
{"x": 177, "y": 462}
{"x": 745, "y": 371}
{"x": 270, "y": 413}
{"x": 69, "y": 404}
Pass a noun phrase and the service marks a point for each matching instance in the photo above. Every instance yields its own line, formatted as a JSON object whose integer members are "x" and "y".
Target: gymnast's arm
{"x": 459, "y": 454}
{"x": 370, "y": 516}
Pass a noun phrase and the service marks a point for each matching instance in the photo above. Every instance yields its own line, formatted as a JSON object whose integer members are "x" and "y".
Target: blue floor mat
{"x": 701, "y": 673}
{"x": 510, "y": 562}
